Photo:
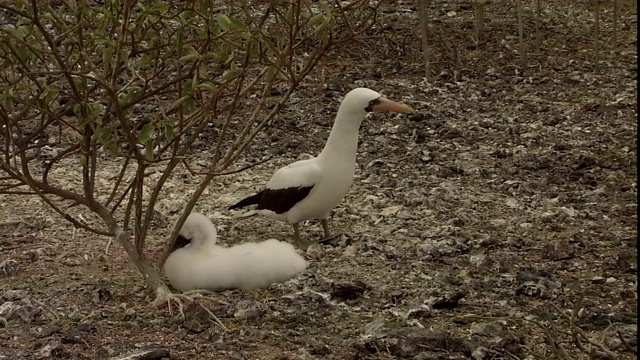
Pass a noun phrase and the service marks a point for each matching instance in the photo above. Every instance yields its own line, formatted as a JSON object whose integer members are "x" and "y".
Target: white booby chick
{"x": 310, "y": 189}
{"x": 196, "y": 262}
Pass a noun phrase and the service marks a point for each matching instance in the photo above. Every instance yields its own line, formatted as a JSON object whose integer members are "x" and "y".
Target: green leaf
{"x": 159, "y": 8}
{"x": 271, "y": 73}
{"x": 21, "y": 5}
{"x": 47, "y": 16}
{"x": 145, "y": 133}
{"x": 124, "y": 56}
{"x": 327, "y": 8}
{"x": 105, "y": 135}
{"x": 18, "y": 32}
{"x": 208, "y": 85}
{"x": 168, "y": 131}
{"x": 83, "y": 160}
{"x": 322, "y": 32}
{"x": 72, "y": 5}
{"x": 237, "y": 24}
{"x": 187, "y": 89}
{"x": 190, "y": 53}
{"x": 223, "y": 21}
{"x": 203, "y": 6}
{"x": 254, "y": 48}
{"x": 85, "y": 121}
{"x": 107, "y": 55}
{"x": 316, "y": 19}
{"x": 290, "y": 11}
{"x": 180, "y": 101}
{"x": 145, "y": 61}
{"x": 230, "y": 59}
{"x": 49, "y": 93}
{"x": 189, "y": 57}
{"x": 76, "y": 110}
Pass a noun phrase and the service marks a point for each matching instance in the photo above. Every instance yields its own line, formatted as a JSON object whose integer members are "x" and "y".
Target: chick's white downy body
{"x": 205, "y": 265}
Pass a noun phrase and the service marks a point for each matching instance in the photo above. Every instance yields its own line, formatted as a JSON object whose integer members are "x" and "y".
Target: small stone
{"x": 13, "y": 295}
{"x": 448, "y": 301}
{"x": 26, "y": 311}
{"x": 489, "y": 329}
{"x": 628, "y": 261}
{"x": 76, "y": 316}
{"x": 216, "y": 338}
{"x": 129, "y": 314}
{"x": 151, "y": 354}
{"x": 611, "y": 280}
{"x": 45, "y": 331}
{"x": 194, "y": 326}
{"x": 8, "y": 267}
{"x": 104, "y": 352}
{"x": 350, "y": 251}
{"x": 102, "y": 295}
{"x": 349, "y": 291}
{"x": 246, "y": 309}
{"x": 320, "y": 350}
{"x": 420, "y": 312}
{"x": 77, "y": 334}
{"x": 7, "y": 309}
{"x": 72, "y": 261}
{"x": 598, "y": 280}
{"x": 488, "y": 241}
{"x": 480, "y": 353}
{"x": 51, "y": 350}
{"x": 483, "y": 261}
{"x": 315, "y": 251}
{"x": 557, "y": 251}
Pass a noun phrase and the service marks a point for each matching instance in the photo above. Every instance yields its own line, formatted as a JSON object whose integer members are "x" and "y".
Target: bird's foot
{"x": 303, "y": 245}
{"x": 165, "y": 296}
{"x": 336, "y": 237}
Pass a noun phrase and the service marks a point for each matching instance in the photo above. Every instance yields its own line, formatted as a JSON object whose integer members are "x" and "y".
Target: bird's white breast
{"x": 336, "y": 180}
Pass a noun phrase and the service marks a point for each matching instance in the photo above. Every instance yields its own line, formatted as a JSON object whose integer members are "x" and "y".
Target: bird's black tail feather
{"x": 251, "y": 200}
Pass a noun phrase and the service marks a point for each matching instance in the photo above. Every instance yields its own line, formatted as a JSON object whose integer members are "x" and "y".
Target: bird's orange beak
{"x": 385, "y": 104}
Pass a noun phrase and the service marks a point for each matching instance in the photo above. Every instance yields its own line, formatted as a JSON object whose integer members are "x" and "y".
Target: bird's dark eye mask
{"x": 181, "y": 242}
{"x": 372, "y": 103}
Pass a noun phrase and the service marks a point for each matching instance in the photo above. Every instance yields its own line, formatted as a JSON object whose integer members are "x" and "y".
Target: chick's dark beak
{"x": 181, "y": 242}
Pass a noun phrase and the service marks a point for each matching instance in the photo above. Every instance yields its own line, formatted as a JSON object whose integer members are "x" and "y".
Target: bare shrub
{"x": 139, "y": 82}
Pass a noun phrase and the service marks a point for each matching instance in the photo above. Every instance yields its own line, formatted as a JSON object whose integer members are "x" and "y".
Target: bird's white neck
{"x": 342, "y": 143}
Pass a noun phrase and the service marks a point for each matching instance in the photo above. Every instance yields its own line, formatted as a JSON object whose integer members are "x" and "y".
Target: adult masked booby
{"x": 310, "y": 189}
{"x": 196, "y": 262}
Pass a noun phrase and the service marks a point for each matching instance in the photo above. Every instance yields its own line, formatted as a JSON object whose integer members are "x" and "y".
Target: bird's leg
{"x": 325, "y": 227}
{"x": 296, "y": 233}
{"x": 327, "y": 231}
{"x": 300, "y": 244}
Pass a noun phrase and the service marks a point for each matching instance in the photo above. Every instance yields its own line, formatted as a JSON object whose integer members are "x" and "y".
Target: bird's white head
{"x": 363, "y": 100}
{"x": 197, "y": 230}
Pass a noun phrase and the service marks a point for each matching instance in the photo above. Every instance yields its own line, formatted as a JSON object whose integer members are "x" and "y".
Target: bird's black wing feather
{"x": 282, "y": 200}
{"x": 251, "y": 200}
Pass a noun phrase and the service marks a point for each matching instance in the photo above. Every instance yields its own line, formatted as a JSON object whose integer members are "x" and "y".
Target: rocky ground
{"x": 498, "y": 221}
